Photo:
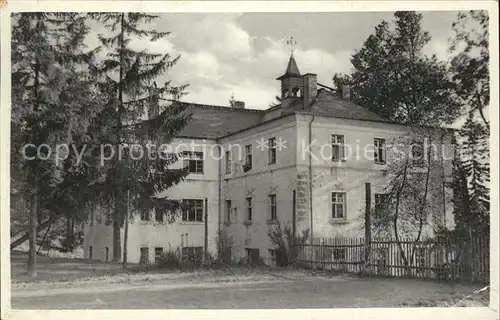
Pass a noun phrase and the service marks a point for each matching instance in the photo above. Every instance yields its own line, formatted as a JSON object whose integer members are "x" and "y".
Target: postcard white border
{"x": 243, "y": 6}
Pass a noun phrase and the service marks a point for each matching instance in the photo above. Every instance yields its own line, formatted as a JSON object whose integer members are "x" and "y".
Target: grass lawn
{"x": 59, "y": 269}
{"x": 83, "y": 281}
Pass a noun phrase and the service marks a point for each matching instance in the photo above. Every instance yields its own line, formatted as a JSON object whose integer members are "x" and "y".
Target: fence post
{"x": 368, "y": 204}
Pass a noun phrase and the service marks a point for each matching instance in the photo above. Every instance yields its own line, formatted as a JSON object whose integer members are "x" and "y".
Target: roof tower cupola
{"x": 291, "y": 80}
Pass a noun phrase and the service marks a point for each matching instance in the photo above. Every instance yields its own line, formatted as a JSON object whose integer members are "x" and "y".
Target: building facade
{"x": 303, "y": 163}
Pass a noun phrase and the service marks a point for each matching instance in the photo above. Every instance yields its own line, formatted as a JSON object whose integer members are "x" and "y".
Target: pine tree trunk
{"x": 125, "y": 233}
{"x": 117, "y": 221}
{"x": 68, "y": 233}
{"x": 117, "y": 249}
{"x": 32, "y": 237}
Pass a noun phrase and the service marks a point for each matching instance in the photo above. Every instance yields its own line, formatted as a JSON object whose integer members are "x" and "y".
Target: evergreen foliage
{"x": 394, "y": 78}
{"x": 128, "y": 78}
{"x": 52, "y": 102}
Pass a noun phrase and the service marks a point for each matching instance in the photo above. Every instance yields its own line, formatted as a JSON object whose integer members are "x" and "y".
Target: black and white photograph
{"x": 185, "y": 156}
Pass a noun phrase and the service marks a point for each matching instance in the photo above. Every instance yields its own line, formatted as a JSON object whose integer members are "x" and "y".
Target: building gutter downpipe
{"x": 311, "y": 178}
{"x": 219, "y": 185}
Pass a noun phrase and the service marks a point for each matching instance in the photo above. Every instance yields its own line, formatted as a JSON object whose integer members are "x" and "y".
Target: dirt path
{"x": 279, "y": 293}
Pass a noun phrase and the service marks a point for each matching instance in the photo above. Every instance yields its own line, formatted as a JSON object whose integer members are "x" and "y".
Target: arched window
{"x": 296, "y": 92}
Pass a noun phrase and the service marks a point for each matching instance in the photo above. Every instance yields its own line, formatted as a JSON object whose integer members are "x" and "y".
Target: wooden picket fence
{"x": 452, "y": 259}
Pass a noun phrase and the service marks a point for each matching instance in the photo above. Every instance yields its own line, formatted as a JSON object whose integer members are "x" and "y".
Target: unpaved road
{"x": 322, "y": 292}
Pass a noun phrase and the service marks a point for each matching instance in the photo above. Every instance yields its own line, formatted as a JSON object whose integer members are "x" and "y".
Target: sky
{"x": 241, "y": 55}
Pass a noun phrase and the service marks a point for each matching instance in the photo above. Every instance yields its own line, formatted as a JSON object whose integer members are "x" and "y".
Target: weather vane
{"x": 291, "y": 42}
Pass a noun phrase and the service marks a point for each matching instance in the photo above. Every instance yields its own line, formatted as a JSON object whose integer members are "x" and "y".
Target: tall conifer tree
{"x": 51, "y": 103}
{"x": 470, "y": 72}
{"x": 129, "y": 77}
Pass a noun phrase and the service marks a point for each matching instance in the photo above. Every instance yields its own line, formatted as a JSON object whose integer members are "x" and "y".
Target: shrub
{"x": 171, "y": 259}
{"x": 224, "y": 246}
{"x": 286, "y": 244}
{"x": 246, "y": 261}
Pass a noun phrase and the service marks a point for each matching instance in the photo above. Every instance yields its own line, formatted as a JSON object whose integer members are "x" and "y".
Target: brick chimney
{"x": 346, "y": 92}
{"x": 239, "y": 105}
{"x": 310, "y": 89}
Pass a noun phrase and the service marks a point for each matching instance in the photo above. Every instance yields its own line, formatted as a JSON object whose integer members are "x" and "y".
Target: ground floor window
{"x": 272, "y": 257}
{"x": 107, "y": 253}
{"x": 192, "y": 254}
{"x": 252, "y": 255}
{"x": 158, "y": 253}
{"x": 90, "y": 252}
{"x": 144, "y": 255}
{"x": 338, "y": 205}
{"x": 227, "y": 255}
{"x": 144, "y": 215}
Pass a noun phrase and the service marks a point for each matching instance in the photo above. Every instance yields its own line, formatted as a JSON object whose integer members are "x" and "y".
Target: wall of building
{"x": 263, "y": 179}
{"x": 290, "y": 173}
{"x": 350, "y": 176}
{"x": 153, "y": 234}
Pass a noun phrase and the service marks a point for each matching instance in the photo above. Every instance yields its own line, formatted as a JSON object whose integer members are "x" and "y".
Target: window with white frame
{"x": 338, "y": 146}
{"x": 228, "y": 161}
{"x": 192, "y": 210}
{"x": 338, "y": 205}
{"x": 272, "y": 207}
{"x": 193, "y": 160}
{"x": 379, "y": 152}
{"x": 248, "y": 201}
{"x": 272, "y": 150}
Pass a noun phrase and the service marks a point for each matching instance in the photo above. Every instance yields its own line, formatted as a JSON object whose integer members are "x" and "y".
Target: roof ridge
{"x": 224, "y": 108}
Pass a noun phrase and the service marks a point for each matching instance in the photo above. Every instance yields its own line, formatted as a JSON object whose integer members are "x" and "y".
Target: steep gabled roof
{"x": 329, "y": 104}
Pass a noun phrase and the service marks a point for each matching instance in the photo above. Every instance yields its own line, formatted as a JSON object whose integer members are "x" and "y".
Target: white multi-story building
{"x": 252, "y": 169}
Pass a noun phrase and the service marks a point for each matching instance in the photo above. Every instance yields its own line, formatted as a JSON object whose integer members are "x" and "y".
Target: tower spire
{"x": 291, "y": 42}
